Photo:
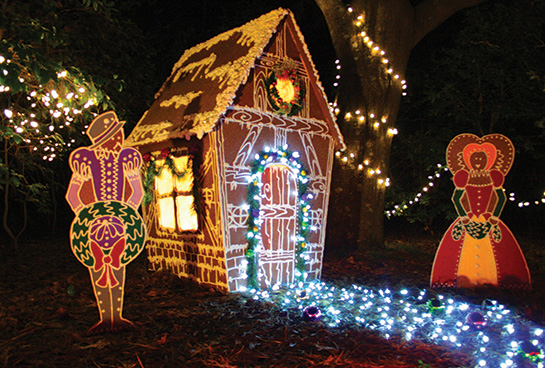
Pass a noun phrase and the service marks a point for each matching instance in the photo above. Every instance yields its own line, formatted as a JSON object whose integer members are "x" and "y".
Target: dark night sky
{"x": 174, "y": 26}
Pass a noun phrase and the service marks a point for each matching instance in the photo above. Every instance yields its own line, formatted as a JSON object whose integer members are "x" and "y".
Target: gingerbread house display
{"x": 238, "y": 149}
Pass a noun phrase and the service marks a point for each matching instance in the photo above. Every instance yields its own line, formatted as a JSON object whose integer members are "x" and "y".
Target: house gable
{"x": 204, "y": 82}
{"x": 287, "y": 45}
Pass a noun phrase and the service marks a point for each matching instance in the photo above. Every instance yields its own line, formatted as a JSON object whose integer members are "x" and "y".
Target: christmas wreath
{"x": 284, "y": 89}
{"x": 128, "y": 217}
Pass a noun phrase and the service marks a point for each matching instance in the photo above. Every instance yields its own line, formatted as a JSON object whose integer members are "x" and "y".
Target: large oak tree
{"x": 373, "y": 40}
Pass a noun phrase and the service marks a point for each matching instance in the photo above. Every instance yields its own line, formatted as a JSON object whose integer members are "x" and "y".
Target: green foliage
{"x": 421, "y": 364}
{"x": 486, "y": 82}
{"x": 60, "y": 62}
{"x": 488, "y": 77}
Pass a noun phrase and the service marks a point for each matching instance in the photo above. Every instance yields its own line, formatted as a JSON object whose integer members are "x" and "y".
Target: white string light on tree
{"x": 377, "y": 51}
{"x": 44, "y": 123}
{"x": 357, "y": 117}
{"x": 399, "y": 209}
{"x": 349, "y": 158}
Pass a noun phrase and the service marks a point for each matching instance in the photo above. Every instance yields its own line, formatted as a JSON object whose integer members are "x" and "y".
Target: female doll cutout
{"x": 478, "y": 248}
{"x": 105, "y": 192}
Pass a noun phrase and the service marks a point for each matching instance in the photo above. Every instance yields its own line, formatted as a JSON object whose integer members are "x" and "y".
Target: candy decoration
{"x": 312, "y": 313}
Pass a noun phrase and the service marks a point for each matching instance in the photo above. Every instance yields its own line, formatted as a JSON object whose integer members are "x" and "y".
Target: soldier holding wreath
{"x": 105, "y": 192}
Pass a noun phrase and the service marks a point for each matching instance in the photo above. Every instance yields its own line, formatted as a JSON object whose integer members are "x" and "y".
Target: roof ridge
{"x": 271, "y": 18}
{"x": 205, "y": 80}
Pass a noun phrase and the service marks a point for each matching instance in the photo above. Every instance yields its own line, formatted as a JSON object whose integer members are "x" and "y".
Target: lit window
{"x": 175, "y": 202}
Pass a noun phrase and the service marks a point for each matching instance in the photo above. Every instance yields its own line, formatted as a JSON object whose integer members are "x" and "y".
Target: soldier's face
{"x": 115, "y": 142}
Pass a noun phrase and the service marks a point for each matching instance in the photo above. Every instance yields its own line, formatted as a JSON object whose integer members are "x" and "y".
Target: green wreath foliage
{"x": 277, "y": 103}
{"x": 135, "y": 230}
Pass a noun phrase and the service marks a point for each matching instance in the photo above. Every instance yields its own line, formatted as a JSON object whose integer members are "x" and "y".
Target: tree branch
{"x": 334, "y": 12}
{"x": 431, "y": 13}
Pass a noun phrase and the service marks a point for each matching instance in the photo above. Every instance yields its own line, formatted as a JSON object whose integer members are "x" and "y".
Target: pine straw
{"x": 179, "y": 324}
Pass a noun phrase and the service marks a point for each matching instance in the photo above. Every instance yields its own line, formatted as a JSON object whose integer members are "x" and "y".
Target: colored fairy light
{"x": 311, "y": 313}
{"x": 262, "y": 160}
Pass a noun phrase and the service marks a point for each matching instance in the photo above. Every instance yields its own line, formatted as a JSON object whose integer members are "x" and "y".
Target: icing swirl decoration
{"x": 284, "y": 89}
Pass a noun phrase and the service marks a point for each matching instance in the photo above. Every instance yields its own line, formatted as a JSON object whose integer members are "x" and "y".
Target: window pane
{"x": 163, "y": 182}
{"x": 166, "y": 213}
{"x": 185, "y": 183}
{"x": 187, "y": 217}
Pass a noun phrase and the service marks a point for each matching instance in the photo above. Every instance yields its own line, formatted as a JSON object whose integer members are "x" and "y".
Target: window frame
{"x": 174, "y": 193}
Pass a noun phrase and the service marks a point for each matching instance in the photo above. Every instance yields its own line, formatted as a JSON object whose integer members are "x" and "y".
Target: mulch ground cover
{"x": 47, "y": 306}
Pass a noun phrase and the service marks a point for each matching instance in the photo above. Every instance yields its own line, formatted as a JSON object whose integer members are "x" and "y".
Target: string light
{"x": 375, "y": 51}
{"x": 44, "y": 137}
{"x": 255, "y": 196}
{"x": 407, "y": 314}
{"x": 400, "y": 209}
{"x": 348, "y": 158}
{"x": 524, "y": 204}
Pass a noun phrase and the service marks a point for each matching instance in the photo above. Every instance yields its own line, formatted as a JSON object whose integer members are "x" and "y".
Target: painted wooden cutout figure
{"x": 105, "y": 192}
{"x": 478, "y": 248}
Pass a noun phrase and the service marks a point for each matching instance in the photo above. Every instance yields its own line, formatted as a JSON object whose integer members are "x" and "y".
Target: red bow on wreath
{"x": 107, "y": 262}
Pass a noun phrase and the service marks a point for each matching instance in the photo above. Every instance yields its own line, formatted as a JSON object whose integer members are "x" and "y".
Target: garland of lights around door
{"x": 262, "y": 160}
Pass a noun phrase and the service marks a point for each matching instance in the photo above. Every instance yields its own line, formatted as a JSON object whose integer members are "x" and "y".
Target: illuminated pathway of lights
{"x": 496, "y": 336}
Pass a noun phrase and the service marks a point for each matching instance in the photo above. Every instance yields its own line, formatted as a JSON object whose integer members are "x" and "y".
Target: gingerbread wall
{"x": 196, "y": 255}
{"x": 244, "y": 133}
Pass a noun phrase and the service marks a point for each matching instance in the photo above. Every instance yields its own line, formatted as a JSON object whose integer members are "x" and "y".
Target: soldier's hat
{"x": 104, "y": 127}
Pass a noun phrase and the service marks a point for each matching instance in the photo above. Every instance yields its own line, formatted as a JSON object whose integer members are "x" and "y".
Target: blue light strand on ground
{"x": 493, "y": 334}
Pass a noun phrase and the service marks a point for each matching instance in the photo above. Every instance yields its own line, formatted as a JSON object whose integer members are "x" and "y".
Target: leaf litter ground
{"x": 47, "y": 305}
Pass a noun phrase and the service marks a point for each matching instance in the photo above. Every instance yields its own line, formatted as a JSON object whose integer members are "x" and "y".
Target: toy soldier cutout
{"x": 105, "y": 192}
{"x": 478, "y": 248}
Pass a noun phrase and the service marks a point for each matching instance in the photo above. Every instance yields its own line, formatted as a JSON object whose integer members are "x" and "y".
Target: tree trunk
{"x": 373, "y": 41}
